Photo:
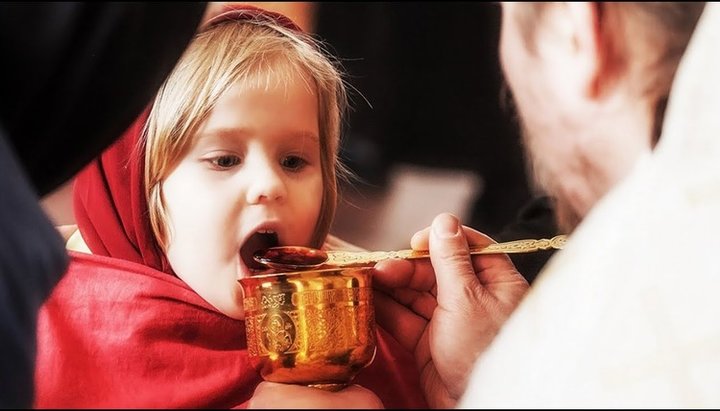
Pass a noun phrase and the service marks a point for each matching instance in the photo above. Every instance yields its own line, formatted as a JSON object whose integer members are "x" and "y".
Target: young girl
{"x": 238, "y": 152}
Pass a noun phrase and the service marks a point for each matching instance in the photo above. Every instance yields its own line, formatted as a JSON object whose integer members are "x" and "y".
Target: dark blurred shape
{"x": 535, "y": 220}
{"x": 75, "y": 75}
{"x": 431, "y": 72}
{"x": 67, "y": 66}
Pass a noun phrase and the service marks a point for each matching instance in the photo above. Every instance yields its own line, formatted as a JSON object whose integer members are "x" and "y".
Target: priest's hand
{"x": 447, "y": 310}
{"x": 275, "y": 395}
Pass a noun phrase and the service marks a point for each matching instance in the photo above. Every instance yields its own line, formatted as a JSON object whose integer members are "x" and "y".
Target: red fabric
{"x": 122, "y": 331}
{"x": 115, "y": 334}
{"x": 110, "y": 207}
{"x": 246, "y": 11}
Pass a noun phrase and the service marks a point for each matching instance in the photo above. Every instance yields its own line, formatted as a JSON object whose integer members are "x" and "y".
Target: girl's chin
{"x": 237, "y": 314}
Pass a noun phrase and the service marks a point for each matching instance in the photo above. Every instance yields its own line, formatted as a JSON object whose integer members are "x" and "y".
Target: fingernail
{"x": 446, "y": 226}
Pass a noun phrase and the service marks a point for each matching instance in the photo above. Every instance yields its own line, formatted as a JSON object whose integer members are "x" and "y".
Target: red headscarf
{"x": 121, "y": 330}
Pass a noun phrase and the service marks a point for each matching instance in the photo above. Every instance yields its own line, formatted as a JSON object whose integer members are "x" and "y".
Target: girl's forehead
{"x": 273, "y": 75}
{"x": 275, "y": 105}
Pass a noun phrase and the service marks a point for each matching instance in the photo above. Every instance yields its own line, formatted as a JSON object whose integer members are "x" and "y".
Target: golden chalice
{"x": 315, "y": 327}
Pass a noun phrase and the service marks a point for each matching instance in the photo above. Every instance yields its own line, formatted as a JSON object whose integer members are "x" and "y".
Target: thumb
{"x": 450, "y": 258}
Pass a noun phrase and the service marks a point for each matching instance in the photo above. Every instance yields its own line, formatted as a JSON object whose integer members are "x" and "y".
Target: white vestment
{"x": 628, "y": 314}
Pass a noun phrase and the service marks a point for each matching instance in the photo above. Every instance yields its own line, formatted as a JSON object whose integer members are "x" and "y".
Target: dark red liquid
{"x": 292, "y": 256}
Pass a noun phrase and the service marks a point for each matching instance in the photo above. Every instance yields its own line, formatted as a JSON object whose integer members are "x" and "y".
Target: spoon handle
{"x": 347, "y": 258}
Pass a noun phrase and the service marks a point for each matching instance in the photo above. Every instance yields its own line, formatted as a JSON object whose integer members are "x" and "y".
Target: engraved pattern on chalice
{"x": 312, "y": 327}
{"x": 278, "y": 333}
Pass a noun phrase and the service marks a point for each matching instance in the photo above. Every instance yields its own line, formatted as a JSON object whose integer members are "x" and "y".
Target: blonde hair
{"x": 253, "y": 52}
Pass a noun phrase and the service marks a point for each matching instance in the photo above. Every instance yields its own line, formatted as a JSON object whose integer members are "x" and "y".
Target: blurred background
{"x": 427, "y": 132}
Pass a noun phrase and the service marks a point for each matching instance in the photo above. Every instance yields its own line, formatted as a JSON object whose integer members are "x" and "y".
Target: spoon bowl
{"x": 304, "y": 258}
{"x": 291, "y": 257}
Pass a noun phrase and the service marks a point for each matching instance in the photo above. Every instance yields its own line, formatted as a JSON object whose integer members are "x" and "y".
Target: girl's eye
{"x": 293, "y": 163}
{"x": 225, "y": 162}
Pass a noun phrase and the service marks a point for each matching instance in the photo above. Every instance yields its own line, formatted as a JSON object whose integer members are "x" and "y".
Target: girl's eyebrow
{"x": 303, "y": 135}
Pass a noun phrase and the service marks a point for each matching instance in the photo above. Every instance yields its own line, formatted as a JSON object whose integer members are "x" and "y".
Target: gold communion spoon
{"x": 302, "y": 258}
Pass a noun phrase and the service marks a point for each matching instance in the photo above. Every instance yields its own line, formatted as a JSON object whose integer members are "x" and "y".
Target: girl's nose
{"x": 266, "y": 183}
